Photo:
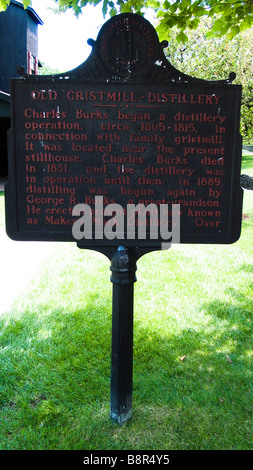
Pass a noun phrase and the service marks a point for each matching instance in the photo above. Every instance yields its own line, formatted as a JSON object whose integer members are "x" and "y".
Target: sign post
{"x": 123, "y": 267}
{"x": 124, "y": 155}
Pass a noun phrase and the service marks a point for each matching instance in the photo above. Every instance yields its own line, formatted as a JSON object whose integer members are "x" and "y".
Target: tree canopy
{"x": 214, "y": 59}
{"x": 229, "y": 16}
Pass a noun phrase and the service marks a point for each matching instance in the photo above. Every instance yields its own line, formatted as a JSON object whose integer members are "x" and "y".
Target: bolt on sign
{"x": 124, "y": 154}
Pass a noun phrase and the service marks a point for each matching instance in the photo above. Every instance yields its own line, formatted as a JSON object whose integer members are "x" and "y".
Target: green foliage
{"x": 213, "y": 58}
{"x": 47, "y": 70}
{"x": 4, "y": 4}
{"x": 27, "y": 3}
{"x": 231, "y": 17}
{"x": 206, "y": 53}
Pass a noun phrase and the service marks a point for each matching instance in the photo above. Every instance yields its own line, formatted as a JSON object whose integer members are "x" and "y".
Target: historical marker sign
{"x": 108, "y": 153}
{"x": 142, "y": 136}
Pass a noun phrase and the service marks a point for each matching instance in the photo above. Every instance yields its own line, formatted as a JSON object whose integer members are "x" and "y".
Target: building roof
{"x": 4, "y": 105}
{"x": 30, "y": 11}
{"x": 4, "y": 96}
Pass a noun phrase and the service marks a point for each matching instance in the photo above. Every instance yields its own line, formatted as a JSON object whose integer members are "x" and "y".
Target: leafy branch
{"x": 230, "y": 17}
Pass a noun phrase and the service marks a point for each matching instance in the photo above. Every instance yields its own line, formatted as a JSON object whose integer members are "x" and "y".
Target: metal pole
{"x": 123, "y": 267}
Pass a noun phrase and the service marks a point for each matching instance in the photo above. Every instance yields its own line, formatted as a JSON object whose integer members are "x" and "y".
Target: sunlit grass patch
{"x": 192, "y": 378}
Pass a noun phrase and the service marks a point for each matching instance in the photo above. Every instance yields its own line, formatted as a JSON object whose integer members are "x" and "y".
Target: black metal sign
{"x": 124, "y": 154}
{"x": 124, "y": 144}
{"x": 124, "y": 128}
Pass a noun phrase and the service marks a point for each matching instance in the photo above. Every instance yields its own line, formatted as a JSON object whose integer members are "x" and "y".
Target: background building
{"x": 18, "y": 47}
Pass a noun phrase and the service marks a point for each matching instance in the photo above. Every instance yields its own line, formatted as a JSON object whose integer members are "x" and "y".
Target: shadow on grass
{"x": 198, "y": 353}
{"x": 56, "y": 373}
{"x": 248, "y": 268}
{"x": 247, "y": 162}
{"x": 83, "y": 336}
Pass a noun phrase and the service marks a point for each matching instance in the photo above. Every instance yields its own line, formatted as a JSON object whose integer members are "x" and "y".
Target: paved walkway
{"x": 19, "y": 261}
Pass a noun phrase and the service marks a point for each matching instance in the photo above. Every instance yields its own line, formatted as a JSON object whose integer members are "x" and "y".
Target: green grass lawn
{"x": 192, "y": 380}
